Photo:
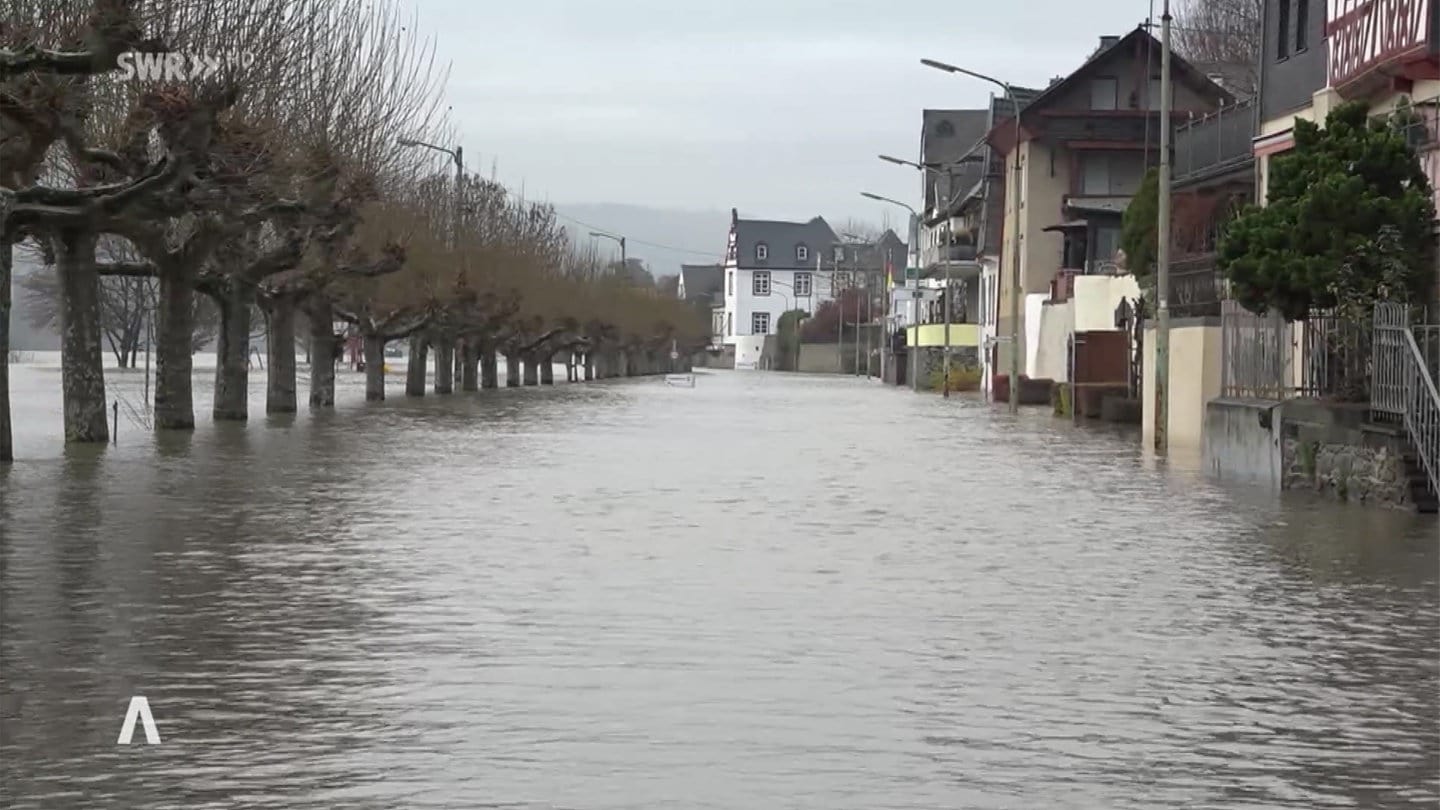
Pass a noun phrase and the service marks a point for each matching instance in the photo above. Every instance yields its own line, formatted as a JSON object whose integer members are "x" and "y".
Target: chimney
{"x": 1108, "y": 42}
{"x": 734, "y": 215}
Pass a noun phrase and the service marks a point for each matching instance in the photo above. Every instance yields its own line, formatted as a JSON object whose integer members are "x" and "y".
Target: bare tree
{"x": 1221, "y": 38}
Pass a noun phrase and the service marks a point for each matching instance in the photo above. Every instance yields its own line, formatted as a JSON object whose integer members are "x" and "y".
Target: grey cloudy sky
{"x": 777, "y": 107}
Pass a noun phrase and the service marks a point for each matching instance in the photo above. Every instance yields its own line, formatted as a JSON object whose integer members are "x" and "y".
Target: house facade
{"x": 1084, "y": 146}
{"x": 702, "y": 285}
{"x": 771, "y": 267}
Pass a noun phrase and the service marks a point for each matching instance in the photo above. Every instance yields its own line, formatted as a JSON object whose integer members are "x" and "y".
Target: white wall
{"x": 748, "y": 349}
{"x": 1052, "y": 349}
{"x": 743, "y": 303}
{"x": 1034, "y": 305}
{"x": 1096, "y": 298}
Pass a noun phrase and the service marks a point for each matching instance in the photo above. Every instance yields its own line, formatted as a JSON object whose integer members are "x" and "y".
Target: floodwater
{"x": 763, "y": 592}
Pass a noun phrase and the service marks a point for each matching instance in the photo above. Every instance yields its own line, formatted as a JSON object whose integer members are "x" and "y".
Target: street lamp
{"x": 457, "y": 155}
{"x": 1015, "y": 246}
{"x": 914, "y": 245}
{"x": 624, "y": 266}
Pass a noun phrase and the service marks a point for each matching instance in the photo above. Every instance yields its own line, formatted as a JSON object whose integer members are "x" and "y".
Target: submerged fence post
{"x": 115, "y": 420}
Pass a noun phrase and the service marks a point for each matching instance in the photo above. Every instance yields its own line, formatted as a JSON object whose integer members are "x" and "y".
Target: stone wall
{"x": 1348, "y": 472}
{"x": 1332, "y": 450}
{"x": 932, "y": 361}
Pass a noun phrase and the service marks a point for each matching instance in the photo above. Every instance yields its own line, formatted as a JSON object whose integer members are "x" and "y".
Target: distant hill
{"x": 701, "y": 231}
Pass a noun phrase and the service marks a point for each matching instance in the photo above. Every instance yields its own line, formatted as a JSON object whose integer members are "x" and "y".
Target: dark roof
{"x": 701, "y": 280}
{"x": 945, "y": 137}
{"x": 781, "y": 239}
{"x": 1182, "y": 70}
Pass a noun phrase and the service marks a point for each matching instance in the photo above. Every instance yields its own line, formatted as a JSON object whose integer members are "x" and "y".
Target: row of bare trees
{"x": 276, "y": 183}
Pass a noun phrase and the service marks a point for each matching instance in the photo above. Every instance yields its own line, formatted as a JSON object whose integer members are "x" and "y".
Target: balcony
{"x": 1216, "y": 145}
{"x": 1368, "y": 37}
{"x": 1196, "y": 287}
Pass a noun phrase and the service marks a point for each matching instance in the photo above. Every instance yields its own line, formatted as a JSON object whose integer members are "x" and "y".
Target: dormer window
{"x": 802, "y": 253}
{"x": 762, "y": 252}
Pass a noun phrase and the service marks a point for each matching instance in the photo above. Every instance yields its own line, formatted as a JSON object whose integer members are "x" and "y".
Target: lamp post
{"x": 457, "y": 155}
{"x": 624, "y": 266}
{"x": 1162, "y": 248}
{"x": 915, "y": 246}
{"x": 1015, "y": 246}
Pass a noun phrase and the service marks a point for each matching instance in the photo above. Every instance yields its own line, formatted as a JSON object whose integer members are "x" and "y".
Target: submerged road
{"x": 764, "y": 592}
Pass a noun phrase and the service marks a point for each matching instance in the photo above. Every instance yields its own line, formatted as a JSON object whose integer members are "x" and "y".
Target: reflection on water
{"x": 763, "y": 592}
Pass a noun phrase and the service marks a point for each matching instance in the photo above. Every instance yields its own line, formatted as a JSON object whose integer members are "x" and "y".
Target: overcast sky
{"x": 777, "y": 107}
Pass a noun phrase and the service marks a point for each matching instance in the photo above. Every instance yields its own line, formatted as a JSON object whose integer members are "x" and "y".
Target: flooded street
{"x": 764, "y": 592}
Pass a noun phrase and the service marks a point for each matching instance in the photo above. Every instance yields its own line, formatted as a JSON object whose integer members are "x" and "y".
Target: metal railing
{"x": 1336, "y": 357}
{"x": 1196, "y": 287}
{"x": 1215, "y": 142}
{"x": 1404, "y": 388}
{"x": 1256, "y": 354}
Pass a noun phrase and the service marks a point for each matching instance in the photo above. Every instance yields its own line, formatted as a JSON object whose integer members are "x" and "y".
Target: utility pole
{"x": 1162, "y": 248}
{"x": 949, "y": 307}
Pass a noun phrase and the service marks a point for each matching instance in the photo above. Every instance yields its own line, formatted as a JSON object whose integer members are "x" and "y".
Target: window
{"x": 762, "y": 252}
{"x": 1283, "y": 29}
{"x": 842, "y": 279}
{"x": 1155, "y": 93}
{"x": 761, "y": 282}
{"x": 802, "y": 284}
{"x": 802, "y": 253}
{"x": 1095, "y": 174}
{"x": 1302, "y": 19}
{"x": 945, "y": 129}
{"x": 1103, "y": 93}
{"x": 730, "y": 282}
{"x": 760, "y": 323}
{"x": 1107, "y": 243}
{"x": 730, "y": 323}
{"x": 839, "y": 253}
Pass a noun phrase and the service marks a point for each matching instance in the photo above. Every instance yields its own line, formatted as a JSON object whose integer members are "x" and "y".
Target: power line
{"x": 646, "y": 243}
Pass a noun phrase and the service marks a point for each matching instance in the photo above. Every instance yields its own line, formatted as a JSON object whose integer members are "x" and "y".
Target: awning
{"x": 1071, "y": 225}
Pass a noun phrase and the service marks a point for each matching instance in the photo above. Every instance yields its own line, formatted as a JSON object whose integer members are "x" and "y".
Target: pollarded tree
{"x": 1315, "y": 244}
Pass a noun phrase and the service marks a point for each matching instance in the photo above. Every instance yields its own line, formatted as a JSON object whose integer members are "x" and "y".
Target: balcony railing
{"x": 1215, "y": 143}
{"x": 1363, "y": 35}
{"x": 932, "y": 255}
{"x": 1196, "y": 287}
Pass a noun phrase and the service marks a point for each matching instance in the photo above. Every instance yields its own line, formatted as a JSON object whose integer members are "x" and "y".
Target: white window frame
{"x": 802, "y": 253}
{"x": 759, "y": 323}
{"x": 803, "y": 284}
{"x": 839, "y": 253}
{"x": 760, "y": 282}
{"x": 762, "y": 252}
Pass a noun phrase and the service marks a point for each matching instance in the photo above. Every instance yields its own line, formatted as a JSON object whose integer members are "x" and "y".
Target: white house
{"x": 772, "y": 267}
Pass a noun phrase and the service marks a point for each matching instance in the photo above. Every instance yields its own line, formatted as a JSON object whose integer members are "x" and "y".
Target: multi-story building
{"x": 771, "y": 267}
{"x": 1084, "y": 146}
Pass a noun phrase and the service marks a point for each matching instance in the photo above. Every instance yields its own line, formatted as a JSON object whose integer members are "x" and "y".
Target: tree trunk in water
{"x": 588, "y": 364}
{"x": 444, "y": 365}
{"x": 280, "y": 352}
{"x": 460, "y": 352}
{"x": 7, "y": 441}
{"x": 489, "y": 367}
{"x": 512, "y": 370}
{"x": 532, "y": 370}
{"x": 232, "y": 367}
{"x": 469, "y": 360}
{"x": 323, "y": 349}
{"x": 174, "y": 345}
{"x": 415, "y": 373}
{"x": 547, "y": 370}
{"x": 374, "y": 347}
{"x": 82, "y": 370}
